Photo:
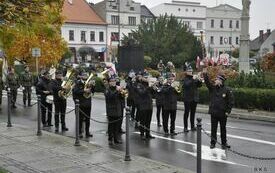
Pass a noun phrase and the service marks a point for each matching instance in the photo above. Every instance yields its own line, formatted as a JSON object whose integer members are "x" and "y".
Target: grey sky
{"x": 262, "y": 11}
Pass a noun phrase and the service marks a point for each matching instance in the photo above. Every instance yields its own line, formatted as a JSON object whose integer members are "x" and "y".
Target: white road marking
{"x": 238, "y": 137}
{"x": 216, "y": 155}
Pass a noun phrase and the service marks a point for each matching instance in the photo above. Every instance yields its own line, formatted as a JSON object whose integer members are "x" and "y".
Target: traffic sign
{"x": 36, "y": 52}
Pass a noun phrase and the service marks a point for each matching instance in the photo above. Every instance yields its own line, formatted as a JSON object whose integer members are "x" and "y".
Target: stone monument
{"x": 245, "y": 38}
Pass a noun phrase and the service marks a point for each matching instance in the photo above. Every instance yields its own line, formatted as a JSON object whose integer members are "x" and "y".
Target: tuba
{"x": 88, "y": 84}
{"x": 67, "y": 84}
{"x": 176, "y": 86}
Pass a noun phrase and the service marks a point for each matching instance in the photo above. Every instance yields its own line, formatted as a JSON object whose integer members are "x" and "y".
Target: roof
{"x": 146, "y": 12}
{"x": 79, "y": 11}
{"x": 224, "y": 7}
{"x": 256, "y": 43}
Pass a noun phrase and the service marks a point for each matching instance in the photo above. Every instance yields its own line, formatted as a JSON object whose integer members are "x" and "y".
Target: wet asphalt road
{"x": 249, "y": 137}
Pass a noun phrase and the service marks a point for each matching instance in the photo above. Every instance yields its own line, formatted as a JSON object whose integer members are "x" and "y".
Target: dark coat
{"x": 78, "y": 92}
{"x": 221, "y": 99}
{"x": 159, "y": 95}
{"x": 144, "y": 96}
{"x": 170, "y": 97}
{"x": 12, "y": 82}
{"x": 113, "y": 102}
{"x": 43, "y": 85}
{"x": 26, "y": 79}
{"x": 131, "y": 93}
{"x": 190, "y": 88}
{"x": 56, "y": 87}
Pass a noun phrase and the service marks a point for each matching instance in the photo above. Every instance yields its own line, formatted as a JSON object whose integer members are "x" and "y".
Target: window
{"x": 230, "y": 40}
{"x": 101, "y": 36}
{"x": 92, "y": 36}
{"x": 212, "y": 40}
{"x": 237, "y": 24}
{"x": 115, "y": 20}
{"x": 114, "y": 36}
{"x": 83, "y": 36}
{"x": 194, "y": 10}
{"x": 199, "y": 25}
{"x": 221, "y": 24}
{"x": 221, "y": 40}
{"x": 212, "y": 23}
{"x": 230, "y": 24}
{"x": 237, "y": 40}
{"x": 132, "y": 21}
{"x": 186, "y": 23}
{"x": 114, "y": 7}
{"x": 71, "y": 35}
{"x": 132, "y": 8}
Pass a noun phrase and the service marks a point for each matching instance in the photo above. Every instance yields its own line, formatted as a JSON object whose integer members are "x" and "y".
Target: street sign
{"x": 36, "y": 52}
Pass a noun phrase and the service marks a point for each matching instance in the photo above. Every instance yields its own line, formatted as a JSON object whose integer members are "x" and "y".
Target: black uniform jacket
{"x": 113, "y": 102}
{"x": 144, "y": 96}
{"x": 78, "y": 92}
{"x": 170, "y": 97}
{"x": 221, "y": 99}
{"x": 43, "y": 85}
{"x": 190, "y": 88}
{"x": 56, "y": 87}
{"x": 159, "y": 95}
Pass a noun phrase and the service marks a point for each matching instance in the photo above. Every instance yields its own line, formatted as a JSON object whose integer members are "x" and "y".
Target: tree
{"x": 168, "y": 39}
{"x": 236, "y": 53}
{"x": 268, "y": 62}
{"x": 43, "y": 31}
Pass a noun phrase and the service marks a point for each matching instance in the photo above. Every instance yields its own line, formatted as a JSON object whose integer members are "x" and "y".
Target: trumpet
{"x": 122, "y": 91}
{"x": 88, "y": 85}
{"x": 176, "y": 86}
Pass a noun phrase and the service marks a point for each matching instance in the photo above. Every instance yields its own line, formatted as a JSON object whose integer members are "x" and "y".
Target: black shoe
{"x": 141, "y": 134}
{"x": 166, "y": 134}
{"x": 185, "y": 130}
{"x": 80, "y": 136}
{"x": 45, "y": 125}
{"x": 159, "y": 125}
{"x": 122, "y": 132}
{"x": 64, "y": 129}
{"x": 150, "y": 137}
{"x": 226, "y": 146}
{"x": 116, "y": 141}
{"x": 212, "y": 146}
{"x": 50, "y": 125}
{"x": 172, "y": 133}
{"x": 56, "y": 129}
{"x": 193, "y": 129}
{"x": 89, "y": 135}
{"x": 14, "y": 107}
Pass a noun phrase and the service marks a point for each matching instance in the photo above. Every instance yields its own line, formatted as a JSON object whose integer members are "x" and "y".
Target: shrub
{"x": 147, "y": 61}
{"x": 99, "y": 85}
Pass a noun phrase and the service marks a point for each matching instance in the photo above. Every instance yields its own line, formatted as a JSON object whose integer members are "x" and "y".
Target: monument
{"x": 245, "y": 38}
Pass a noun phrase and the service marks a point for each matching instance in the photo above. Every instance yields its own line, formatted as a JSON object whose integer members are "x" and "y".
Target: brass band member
{"x": 113, "y": 97}
{"x": 159, "y": 98}
{"x": 145, "y": 106}
{"x": 170, "y": 104}
{"x": 131, "y": 89}
{"x": 190, "y": 98}
{"x": 85, "y": 103}
{"x": 221, "y": 103}
{"x": 60, "y": 103}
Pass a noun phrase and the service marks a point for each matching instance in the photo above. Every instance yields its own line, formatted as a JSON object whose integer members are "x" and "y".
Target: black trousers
{"x": 189, "y": 108}
{"x": 13, "y": 97}
{"x": 46, "y": 107}
{"x": 27, "y": 95}
{"x": 59, "y": 113}
{"x": 133, "y": 111}
{"x": 113, "y": 128}
{"x": 172, "y": 115}
{"x": 121, "y": 121}
{"x": 84, "y": 116}
{"x": 145, "y": 121}
{"x": 214, "y": 125}
{"x": 0, "y": 96}
{"x": 138, "y": 114}
{"x": 159, "y": 109}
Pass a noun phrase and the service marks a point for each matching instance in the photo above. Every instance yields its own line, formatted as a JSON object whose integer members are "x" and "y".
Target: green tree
{"x": 168, "y": 39}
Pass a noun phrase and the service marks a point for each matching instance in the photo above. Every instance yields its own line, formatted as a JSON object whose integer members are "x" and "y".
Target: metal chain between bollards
{"x": 239, "y": 153}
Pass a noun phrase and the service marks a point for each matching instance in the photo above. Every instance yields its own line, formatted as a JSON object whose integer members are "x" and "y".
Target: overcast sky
{"x": 262, "y": 11}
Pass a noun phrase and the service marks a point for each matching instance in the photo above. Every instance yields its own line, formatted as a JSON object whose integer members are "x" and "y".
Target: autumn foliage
{"x": 268, "y": 62}
{"x": 213, "y": 71}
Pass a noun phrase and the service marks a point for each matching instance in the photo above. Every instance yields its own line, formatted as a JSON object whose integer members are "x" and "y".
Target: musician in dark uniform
{"x": 131, "y": 97}
{"x": 113, "y": 99}
{"x": 221, "y": 103}
{"x": 159, "y": 99}
{"x": 122, "y": 102}
{"x": 144, "y": 93}
{"x": 136, "y": 82}
{"x": 60, "y": 103}
{"x": 85, "y": 103}
{"x": 26, "y": 81}
{"x": 170, "y": 104}
{"x": 190, "y": 97}
{"x": 43, "y": 88}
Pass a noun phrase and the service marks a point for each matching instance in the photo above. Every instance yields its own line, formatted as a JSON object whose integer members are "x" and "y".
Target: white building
{"x": 223, "y": 29}
{"x": 83, "y": 28}
{"x": 122, "y": 16}
{"x": 193, "y": 14}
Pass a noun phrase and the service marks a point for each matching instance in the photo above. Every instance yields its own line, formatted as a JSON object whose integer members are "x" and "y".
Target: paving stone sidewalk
{"x": 21, "y": 151}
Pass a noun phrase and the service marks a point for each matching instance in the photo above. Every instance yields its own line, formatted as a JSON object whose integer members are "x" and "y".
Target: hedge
{"x": 245, "y": 98}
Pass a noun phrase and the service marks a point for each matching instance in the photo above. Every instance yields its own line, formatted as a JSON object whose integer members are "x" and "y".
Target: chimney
{"x": 268, "y": 31}
{"x": 261, "y": 36}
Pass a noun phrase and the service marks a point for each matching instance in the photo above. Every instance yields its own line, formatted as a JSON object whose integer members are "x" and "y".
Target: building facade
{"x": 192, "y": 14}
{"x": 84, "y": 29}
{"x": 122, "y": 16}
{"x": 146, "y": 15}
{"x": 223, "y": 29}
